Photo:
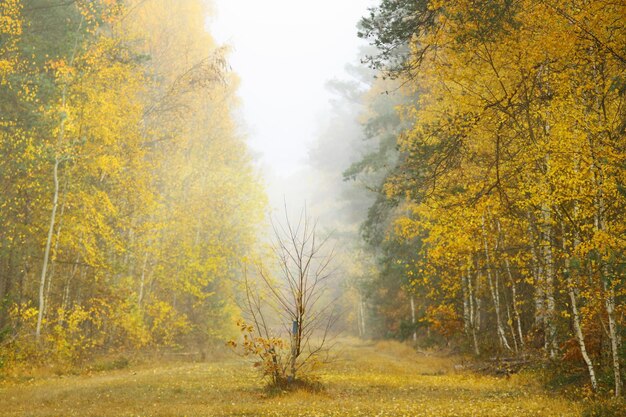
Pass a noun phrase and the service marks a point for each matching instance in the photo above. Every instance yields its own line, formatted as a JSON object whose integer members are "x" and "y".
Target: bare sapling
{"x": 289, "y": 314}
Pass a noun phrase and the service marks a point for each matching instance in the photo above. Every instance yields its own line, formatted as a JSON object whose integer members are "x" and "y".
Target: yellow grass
{"x": 368, "y": 379}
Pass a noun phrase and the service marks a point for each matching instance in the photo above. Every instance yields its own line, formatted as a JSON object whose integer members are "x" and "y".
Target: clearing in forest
{"x": 367, "y": 379}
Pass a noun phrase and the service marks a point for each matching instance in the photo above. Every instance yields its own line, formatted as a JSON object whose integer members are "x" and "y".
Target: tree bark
{"x": 579, "y": 333}
{"x": 550, "y": 306}
{"x": 361, "y": 317}
{"x": 609, "y": 302}
{"x": 466, "y": 303}
{"x": 495, "y": 296}
{"x": 516, "y": 313}
{"x": 142, "y": 281}
{"x": 54, "y": 253}
{"x": 413, "y": 318}
{"x": 55, "y": 200}
{"x": 609, "y": 305}
{"x": 473, "y": 313}
{"x": 44, "y": 269}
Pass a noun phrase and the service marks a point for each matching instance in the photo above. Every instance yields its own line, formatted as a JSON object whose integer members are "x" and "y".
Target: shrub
{"x": 271, "y": 353}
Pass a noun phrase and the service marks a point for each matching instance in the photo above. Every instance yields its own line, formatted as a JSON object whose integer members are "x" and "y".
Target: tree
{"x": 511, "y": 169}
{"x": 129, "y": 199}
{"x": 297, "y": 299}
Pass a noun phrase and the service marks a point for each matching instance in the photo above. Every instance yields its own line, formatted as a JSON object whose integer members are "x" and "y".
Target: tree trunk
{"x": 361, "y": 317}
{"x": 571, "y": 292}
{"x": 413, "y": 318}
{"x": 466, "y": 304}
{"x": 495, "y": 296}
{"x": 54, "y": 253}
{"x": 609, "y": 302}
{"x": 473, "y": 313}
{"x": 509, "y": 321}
{"x": 609, "y": 305}
{"x": 579, "y": 333}
{"x": 55, "y": 200}
{"x": 516, "y": 312}
{"x": 478, "y": 302}
{"x": 550, "y": 306}
{"x": 44, "y": 269}
{"x": 142, "y": 281}
{"x": 605, "y": 276}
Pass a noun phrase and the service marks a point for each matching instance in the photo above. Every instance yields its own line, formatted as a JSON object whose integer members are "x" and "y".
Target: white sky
{"x": 284, "y": 52}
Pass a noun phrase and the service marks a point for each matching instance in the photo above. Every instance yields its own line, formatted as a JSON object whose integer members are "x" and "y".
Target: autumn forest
{"x": 453, "y": 243}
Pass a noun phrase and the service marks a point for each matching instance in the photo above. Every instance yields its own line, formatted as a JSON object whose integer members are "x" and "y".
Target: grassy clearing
{"x": 381, "y": 379}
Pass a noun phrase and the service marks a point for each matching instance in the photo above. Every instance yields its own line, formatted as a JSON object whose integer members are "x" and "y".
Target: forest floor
{"x": 367, "y": 379}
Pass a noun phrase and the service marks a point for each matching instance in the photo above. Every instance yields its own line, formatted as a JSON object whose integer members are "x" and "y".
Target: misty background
{"x": 300, "y": 110}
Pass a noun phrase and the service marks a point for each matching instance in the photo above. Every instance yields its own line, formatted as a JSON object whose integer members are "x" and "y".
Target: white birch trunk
{"x": 550, "y": 305}
{"x": 472, "y": 314}
{"x": 54, "y": 252}
{"x": 571, "y": 292}
{"x": 362, "y": 316}
{"x": 46, "y": 256}
{"x": 609, "y": 305}
{"x": 579, "y": 333}
{"x": 55, "y": 199}
{"x": 142, "y": 281}
{"x": 413, "y": 318}
{"x": 493, "y": 288}
{"x": 516, "y": 313}
{"x": 466, "y": 304}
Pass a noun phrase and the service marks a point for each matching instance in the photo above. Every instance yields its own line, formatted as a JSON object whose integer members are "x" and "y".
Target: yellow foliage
{"x": 123, "y": 128}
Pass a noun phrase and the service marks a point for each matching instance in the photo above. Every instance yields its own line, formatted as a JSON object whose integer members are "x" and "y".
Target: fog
{"x": 297, "y": 126}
